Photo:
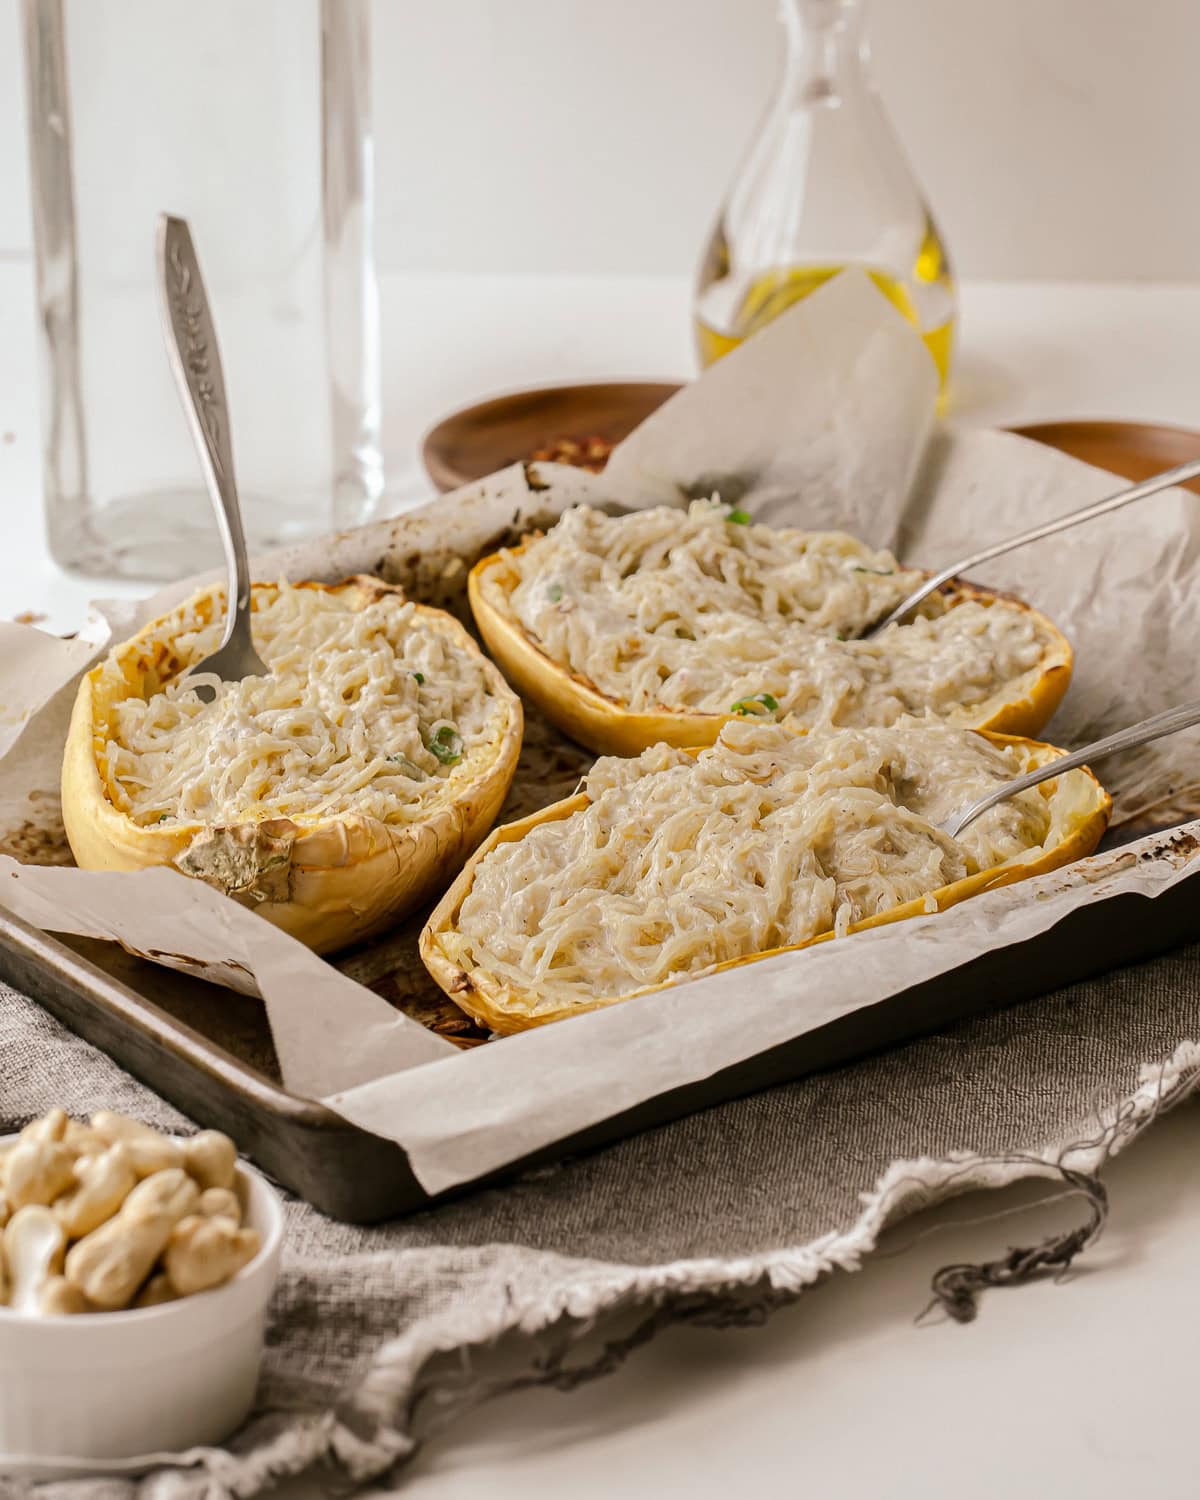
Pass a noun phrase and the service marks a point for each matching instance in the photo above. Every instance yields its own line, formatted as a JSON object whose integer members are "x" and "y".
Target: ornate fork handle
{"x": 196, "y": 359}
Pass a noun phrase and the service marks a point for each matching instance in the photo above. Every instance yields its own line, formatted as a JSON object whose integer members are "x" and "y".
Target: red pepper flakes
{"x": 590, "y": 453}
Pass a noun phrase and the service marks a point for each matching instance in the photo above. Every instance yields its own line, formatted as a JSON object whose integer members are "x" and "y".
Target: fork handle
{"x": 1170, "y": 721}
{"x": 1179, "y": 475}
{"x": 196, "y": 363}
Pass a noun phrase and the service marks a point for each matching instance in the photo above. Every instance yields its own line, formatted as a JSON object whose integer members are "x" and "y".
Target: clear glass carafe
{"x": 251, "y": 119}
{"x": 824, "y": 185}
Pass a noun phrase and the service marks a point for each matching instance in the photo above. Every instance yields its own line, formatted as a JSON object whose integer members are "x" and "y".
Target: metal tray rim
{"x": 44, "y": 950}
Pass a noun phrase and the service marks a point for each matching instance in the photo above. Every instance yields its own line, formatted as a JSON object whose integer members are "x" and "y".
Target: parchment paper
{"x": 823, "y": 420}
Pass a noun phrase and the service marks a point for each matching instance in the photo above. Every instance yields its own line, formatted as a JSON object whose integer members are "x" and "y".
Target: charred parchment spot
{"x": 40, "y": 839}
{"x": 534, "y": 480}
{"x": 251, "y": 862}
{"x": 1184, "y": 844}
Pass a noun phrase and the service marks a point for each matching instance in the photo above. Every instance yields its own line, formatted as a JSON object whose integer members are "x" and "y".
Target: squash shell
{"x": 330, "y": 882}
{"x": 502, "y": 1008}
{"x": 608, "y": 727}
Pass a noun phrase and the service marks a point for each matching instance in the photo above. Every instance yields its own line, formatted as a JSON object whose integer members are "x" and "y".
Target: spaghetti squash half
{"x": 333, "y": 795}
{"x": 683, "y": 863}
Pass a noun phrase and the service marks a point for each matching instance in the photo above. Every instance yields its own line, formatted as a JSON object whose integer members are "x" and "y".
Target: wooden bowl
{"x": 1135, "y": 450}
{"x": 488, "y": 436}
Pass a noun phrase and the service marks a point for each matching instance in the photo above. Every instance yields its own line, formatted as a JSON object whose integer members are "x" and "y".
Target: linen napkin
{"x": 381, "y": 1336}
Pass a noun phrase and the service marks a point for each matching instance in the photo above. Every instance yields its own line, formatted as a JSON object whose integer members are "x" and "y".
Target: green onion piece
{"x": 162, "y": 817}
{"x": 739, "y": 517}
{"x": 761, "y": 703}
{"x": 420, "y": 676}
{"x": 554, "y": 593}
{"x": 408, "y": 767}
{"x": 875, "y": 572}
{"x": 447, "y": 744}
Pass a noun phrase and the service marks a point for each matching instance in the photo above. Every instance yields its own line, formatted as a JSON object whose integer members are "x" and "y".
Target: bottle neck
{"x": 827, "y": 51}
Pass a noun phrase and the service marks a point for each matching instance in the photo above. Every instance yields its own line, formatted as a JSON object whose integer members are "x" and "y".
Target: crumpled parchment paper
{"x": 826, "y": 419}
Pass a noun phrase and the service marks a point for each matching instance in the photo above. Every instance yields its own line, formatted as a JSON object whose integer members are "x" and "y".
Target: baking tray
{"x": 209, "y": 1050}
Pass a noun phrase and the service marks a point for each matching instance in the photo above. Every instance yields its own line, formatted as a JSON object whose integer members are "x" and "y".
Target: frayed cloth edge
{"x": 391, "y": 1387}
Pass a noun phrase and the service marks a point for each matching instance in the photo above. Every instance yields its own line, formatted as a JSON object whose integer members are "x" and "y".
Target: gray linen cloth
{"x": 380, "y": 1336}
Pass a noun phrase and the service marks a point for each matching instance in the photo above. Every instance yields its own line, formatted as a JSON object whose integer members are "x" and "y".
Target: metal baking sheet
{"x": 209, "y": 1051}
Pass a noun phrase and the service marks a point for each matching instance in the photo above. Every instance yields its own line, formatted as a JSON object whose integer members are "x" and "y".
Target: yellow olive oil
{"x": 724, "y": 320}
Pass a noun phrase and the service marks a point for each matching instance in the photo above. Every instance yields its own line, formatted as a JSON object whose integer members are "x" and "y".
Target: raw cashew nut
{"x": 83, "y": 1140}
{"x": 156, "y": 1291}
{"x": 109, "y": 1214}
{"x": 149, "y": 1151}
{"x": 33, "y": 1246}
{"x": 37, "y": 1171}
{"x": 51, "y": 1127}
{"x": 110, "y": 1264}
{"x": 59, "y": 1299}
{"x": 220, "y": 1203}
{"x": 203, "y": 1253}
{"x": 211, "y": 1158}
{"x": 105, "y": 1181}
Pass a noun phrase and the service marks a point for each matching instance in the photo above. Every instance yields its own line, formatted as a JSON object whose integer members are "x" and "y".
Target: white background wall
{"x": 1055, "y": 138}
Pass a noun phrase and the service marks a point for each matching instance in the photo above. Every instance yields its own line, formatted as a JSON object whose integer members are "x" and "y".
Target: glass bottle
{"x": 251, "y": 119}
{"x": 824, "y": 185}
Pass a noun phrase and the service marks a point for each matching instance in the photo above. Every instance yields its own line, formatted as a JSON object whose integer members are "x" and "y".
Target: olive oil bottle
{"x": 823, "y": 186}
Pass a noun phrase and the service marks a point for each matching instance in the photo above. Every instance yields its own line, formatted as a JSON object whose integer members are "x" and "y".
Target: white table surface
{"x": 1085, "y": 1387}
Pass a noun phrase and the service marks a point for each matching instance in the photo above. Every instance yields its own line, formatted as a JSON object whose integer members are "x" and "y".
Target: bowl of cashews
{"x": 135, "y": 1272}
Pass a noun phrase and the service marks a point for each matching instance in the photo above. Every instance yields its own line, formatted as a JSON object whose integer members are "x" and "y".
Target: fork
{"x": 196, "y": 362}
{"x": 1179, "y": 475}
{"x": 1171, "y": 721}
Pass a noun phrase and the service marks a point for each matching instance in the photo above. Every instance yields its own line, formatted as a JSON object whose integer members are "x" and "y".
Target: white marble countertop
{"x": 1080, "y": 1388}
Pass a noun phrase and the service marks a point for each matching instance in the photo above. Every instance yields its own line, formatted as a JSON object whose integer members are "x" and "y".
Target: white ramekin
{"x": 115, "y": 1385}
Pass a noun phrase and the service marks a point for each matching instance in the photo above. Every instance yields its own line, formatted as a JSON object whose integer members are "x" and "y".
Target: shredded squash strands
{"x": 764, "y": 840}
{"x": 703, "y": 610}
{"x": 364, "y": 711}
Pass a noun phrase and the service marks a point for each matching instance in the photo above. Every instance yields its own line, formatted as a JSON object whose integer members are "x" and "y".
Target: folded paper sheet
{"x": 823, "y": 420}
